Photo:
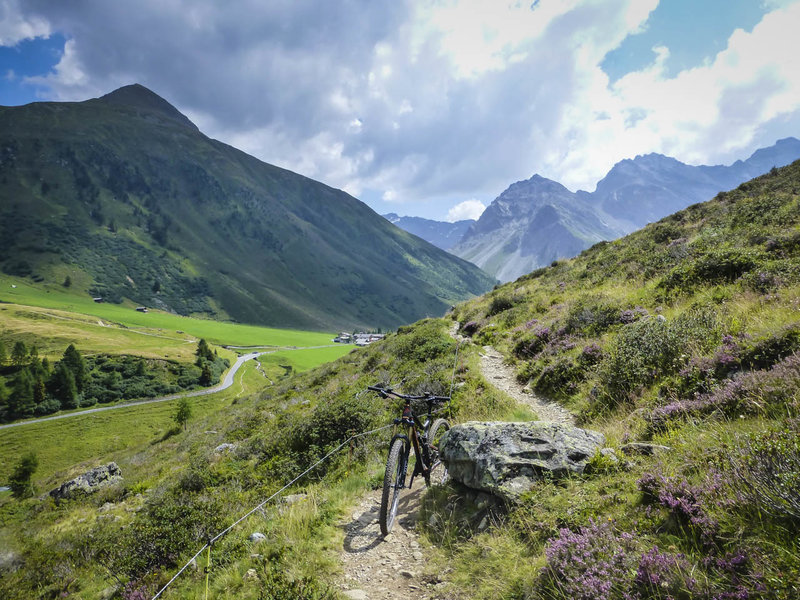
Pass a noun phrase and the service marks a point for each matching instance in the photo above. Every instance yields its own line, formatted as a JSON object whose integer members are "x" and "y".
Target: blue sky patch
{"x": 692, "y": 31}
{"x": 28, "y": 58}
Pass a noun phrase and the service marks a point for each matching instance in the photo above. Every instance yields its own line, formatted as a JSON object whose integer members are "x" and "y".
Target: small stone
{"x": 256, "y": 556}
{"x": 355, "y": 594}
{"x": 484, "y": 524}
{"x": 292, "y": 498}
{"x": 407, "y": 574}
{"x": 257, "y": 537}
{"x": 251, "y": 575}
{"x": 417, "y": 555}
{"x": 224, "y": 448}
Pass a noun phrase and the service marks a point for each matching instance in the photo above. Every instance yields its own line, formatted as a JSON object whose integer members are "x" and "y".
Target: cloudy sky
{"x": 431, "y": 108}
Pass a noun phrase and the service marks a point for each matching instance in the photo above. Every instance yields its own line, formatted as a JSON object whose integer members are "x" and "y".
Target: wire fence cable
{"x": 261, "y": 505}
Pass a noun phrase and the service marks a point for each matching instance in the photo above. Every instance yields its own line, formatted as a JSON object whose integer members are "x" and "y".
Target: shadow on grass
{"x": 168, "y": 434}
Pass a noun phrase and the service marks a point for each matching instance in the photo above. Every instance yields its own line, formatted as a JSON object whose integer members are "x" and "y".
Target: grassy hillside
{"x": 683, "y": 335}
{"x": 122, "y": 197}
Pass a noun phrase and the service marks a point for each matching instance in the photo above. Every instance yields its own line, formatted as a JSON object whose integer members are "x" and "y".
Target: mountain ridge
{"x": 442, "y": 234}
{"x": 507, "y": 243}
{"x": 134, "y": 202}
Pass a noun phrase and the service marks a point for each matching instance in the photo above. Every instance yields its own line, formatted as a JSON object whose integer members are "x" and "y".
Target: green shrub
{"x": 591, "y": 316}
{"x": 651, "y": 348}
{"x": 766, "y": 471}
{"x": 498, "y": 305}
{"x": 560, "y": 379}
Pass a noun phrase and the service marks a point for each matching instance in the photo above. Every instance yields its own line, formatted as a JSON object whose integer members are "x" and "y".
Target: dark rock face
{"x": 89, "y": 482}
{"x": 506, "y": 459}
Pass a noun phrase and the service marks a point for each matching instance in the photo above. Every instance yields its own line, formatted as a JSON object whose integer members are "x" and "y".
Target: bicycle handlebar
{"x": 384, "y": 392}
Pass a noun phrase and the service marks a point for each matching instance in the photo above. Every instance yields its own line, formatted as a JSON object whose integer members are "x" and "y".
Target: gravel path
{"x": 503, "y": 378}
{"x": 382, "y": 568}
{"x": 378, "y": 568}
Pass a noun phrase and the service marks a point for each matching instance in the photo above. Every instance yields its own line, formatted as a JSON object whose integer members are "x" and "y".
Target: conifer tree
{"x": 206, "y": 378}
{"x": 21, "y": 401}
{"x": 203, "y": 352}
{"x": 3, "y": 353}
{"x": 63, "y": 386}
{"x": 19, "y": 354}
{"x": 39, "y": 392}
{"x": 20, "y": 479}
{"x": 73, "y": 360}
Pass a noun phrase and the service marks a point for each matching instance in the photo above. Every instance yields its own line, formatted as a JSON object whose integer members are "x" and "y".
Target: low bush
{"x": 499, "y": 304}
{"x": 591, "y": 316}
{"x": 773, "y": 392}
{"x": 651, "y": 348}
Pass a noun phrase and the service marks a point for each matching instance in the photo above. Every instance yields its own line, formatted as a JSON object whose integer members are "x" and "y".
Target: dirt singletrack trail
{"x": 502, "y": 376}
{"x": 378, "y": 568}
{"x": 385, "y": 568}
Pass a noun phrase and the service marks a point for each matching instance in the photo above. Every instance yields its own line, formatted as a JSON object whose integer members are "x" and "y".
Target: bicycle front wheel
{"x": 393, "y": 481}
{"x": 438, "y": 474}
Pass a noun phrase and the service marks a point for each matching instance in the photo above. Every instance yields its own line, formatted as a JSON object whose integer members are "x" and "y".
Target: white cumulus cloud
{"x": 468, "y": 209}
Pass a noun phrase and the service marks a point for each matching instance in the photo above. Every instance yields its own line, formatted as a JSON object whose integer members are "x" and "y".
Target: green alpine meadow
{"x": 679, "y": 343}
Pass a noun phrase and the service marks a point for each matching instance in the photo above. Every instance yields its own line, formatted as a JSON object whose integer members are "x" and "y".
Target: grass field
{"x": 57, "y": 297}
{"x": 52, "y": 319}
{"x": 67, "y": 446}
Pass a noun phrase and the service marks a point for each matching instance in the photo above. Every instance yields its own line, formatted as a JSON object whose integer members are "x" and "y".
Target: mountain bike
{"x": 424, "y": 438}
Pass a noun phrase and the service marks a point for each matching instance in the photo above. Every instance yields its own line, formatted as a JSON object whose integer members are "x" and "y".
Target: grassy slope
{"x": 725, "y": 268}
{"x": 61, "y": 444}
{"x": 218, "y": 332}
{"x": 124, "y": 198}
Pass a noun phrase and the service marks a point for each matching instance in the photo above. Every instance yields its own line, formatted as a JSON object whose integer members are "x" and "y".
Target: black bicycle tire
{"x": 433, "y": 452}
{"x": 395, "y": 465}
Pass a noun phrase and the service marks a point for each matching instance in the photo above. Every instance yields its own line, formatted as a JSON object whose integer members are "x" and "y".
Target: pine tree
{"x": 203, "y": 352}
{"x": 75, "y": 363}
{"x": 183, "y": 412}
{"x": 21, "y": 401}
{"x": 63, "y": 386}
{"x": 206, "y": 378}
{"x": 19, "y": 354}
{"x": 39, "y": 392}
{"x": 20, "y": 479}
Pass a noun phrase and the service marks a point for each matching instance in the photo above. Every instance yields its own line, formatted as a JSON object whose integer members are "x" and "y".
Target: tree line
{"x": 30, "y": 385}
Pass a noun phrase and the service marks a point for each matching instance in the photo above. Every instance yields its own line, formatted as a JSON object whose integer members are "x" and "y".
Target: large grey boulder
{"x": 89, "y": 482}
{"x": 506, "y": 459}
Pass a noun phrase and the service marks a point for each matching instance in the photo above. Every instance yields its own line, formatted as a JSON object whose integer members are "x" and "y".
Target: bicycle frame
{"x": 412, "y": 439}
{"x": 417, "y": 436}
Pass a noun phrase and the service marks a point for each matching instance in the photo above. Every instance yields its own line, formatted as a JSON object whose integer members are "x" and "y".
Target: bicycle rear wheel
{"x": 438, "y": 473}
{"x": 393, "y": 481}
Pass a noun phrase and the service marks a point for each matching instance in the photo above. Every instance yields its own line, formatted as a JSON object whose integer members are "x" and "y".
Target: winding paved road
{"x": 226, "y": 383}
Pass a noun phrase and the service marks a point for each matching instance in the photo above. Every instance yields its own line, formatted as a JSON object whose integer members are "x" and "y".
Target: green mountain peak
{"x": 140, "y": 98}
